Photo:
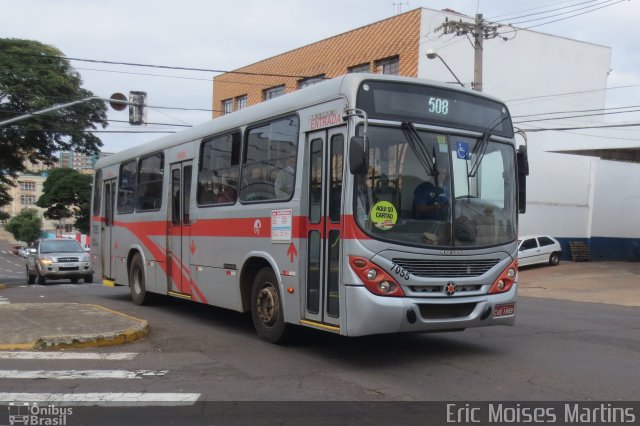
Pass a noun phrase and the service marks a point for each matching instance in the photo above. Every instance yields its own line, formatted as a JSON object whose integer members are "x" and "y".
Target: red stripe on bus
{"x": 244, "y": 227}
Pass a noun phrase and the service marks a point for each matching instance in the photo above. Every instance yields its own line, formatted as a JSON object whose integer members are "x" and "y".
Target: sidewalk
{"x": 598, "y": 282}
{"x": 64, "y": 325}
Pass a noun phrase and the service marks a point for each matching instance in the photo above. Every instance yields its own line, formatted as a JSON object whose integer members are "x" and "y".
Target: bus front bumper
{"x": 371, "y": 314}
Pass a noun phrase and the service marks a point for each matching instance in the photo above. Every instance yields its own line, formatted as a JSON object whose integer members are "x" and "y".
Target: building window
{"x": 388, "y": 66}
{"x": 27, "y": 200}
{"x": 360, "y": 68}
{"x": 227, "y": 106}
{"x": 241, "y": 102}
{"x": 305, "y": 82}
{"x": 272, "y": 92}
{"x": 27, "y": 186}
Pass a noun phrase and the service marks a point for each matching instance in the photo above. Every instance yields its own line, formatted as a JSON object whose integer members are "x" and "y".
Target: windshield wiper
{"x": 478, "y": 153}
{"x": 481, "y": 147}
{"x": 418, "y": 148}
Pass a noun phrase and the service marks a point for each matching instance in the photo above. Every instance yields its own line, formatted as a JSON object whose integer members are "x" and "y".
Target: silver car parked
{"x": 58, "y": 258}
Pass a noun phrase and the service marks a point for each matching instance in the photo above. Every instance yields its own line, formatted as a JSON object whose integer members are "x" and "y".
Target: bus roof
{"x": 343, "y": 86}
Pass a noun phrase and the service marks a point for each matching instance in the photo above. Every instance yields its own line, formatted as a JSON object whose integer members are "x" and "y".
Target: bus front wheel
{"x": 137, "y": 282}
{"x": 266, "y": 307}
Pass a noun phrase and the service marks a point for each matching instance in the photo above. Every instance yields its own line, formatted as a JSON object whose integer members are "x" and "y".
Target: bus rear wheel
{"x": 266, "y": 307}
{"x": 137, "y": 282}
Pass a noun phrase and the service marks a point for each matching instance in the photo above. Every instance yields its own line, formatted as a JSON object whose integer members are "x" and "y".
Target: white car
{"x": 533, "y": 249}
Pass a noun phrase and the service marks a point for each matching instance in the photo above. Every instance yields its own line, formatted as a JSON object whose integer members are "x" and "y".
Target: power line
{"x": 556, "y": 129}
{"x": 169, "y": 67}
{"x": 576, "y": 116}
{"x": 511, "y": 21}
{"x": 574, "y": 111}
{"x": 514, "y": 30}
{"x": 573, "y": 93}
{"x": 528, "y": 10}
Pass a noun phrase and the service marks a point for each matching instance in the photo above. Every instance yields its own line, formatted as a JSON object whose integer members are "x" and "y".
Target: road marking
{"x": 112, "y": 399}
{"x": 80, "y": 374}
{"x": 116, "y": 356}
{"x": 4, "y": 300}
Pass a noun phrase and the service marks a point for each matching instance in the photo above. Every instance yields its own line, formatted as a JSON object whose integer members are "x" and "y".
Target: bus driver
{"x": 431, "y": 202}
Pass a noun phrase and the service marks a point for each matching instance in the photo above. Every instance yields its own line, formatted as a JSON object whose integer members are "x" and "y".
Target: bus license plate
{"x": 504, "y": 310}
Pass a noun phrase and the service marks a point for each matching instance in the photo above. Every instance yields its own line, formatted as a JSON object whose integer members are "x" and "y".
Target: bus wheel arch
{"x": 250, "y": 269}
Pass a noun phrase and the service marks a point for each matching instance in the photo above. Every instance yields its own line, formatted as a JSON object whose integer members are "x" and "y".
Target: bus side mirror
{"x": 358, "y": 155}
{"x": 522, "y": 164}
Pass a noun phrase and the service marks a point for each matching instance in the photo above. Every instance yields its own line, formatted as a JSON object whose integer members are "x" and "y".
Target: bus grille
{"x": 445, "y": 268}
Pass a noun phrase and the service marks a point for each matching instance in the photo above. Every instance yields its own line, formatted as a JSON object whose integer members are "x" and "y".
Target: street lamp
{"x": 432, "y": 54}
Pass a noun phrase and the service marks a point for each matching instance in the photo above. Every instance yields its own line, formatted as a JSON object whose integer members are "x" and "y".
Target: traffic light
{"x": 137, "y": 108}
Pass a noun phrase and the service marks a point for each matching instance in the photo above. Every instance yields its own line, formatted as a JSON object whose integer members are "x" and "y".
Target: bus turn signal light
{"x": 374, "y": 278}
{"x": 506, "y": 279}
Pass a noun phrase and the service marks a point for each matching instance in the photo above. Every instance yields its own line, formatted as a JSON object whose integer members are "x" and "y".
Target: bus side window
{"x": 149, "y": 188}
{"x": 127, "y": 187}
{"x": 218, "y": 170}
{"x": 269, "y": 162}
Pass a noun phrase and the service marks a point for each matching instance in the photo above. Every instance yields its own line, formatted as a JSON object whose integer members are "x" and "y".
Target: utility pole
{"x": 479, "y": 31}
{"x": 477, "y": 55}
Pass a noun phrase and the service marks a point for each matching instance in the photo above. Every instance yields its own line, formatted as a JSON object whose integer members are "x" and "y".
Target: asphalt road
{"x": 558, "y": 350}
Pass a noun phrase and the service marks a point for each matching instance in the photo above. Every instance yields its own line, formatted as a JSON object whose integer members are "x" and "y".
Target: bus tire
{"x": 266, "y": 307}
{"x": 137, "y": 282}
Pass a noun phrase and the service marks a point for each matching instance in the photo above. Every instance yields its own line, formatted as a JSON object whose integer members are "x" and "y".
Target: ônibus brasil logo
{"x": 24, "y": 413}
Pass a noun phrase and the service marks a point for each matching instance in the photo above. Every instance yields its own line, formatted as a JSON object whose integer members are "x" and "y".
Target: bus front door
{"x": 179, "y": 235}
{"x": 326, "y": 161}
{"x": 108, "y": 258}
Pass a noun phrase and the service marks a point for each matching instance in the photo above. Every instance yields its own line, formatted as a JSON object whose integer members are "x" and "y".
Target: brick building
{"x": 389, "y": 46}
{"x": 527, "y": 69}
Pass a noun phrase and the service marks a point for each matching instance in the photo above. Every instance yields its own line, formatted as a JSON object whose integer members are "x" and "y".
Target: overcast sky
{"x": 227, "y": 34}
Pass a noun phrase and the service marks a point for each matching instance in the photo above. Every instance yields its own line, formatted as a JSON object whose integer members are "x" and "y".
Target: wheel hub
{"x": 267, "y": 302}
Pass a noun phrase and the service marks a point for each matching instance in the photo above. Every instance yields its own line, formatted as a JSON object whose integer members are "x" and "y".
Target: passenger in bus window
{"x": 431, "y": 202}
{"x": 284, "y": 180}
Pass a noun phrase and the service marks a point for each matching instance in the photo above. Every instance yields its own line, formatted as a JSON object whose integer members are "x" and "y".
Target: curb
{"x": 128, "y": 335}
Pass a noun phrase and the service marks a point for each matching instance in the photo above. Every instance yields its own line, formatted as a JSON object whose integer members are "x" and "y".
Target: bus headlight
{"x": 374, "y": 278}
{"x": 506, "y": 279}
{"x": 386, "y": 287}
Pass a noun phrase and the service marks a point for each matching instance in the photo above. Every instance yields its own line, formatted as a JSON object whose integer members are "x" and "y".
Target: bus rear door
{"x": 108, "y": 258}
{"x": 326, "y": 161}
{"x": 179, "y": 235}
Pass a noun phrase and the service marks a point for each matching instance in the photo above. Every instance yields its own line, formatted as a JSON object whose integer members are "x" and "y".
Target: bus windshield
{"x": 421, "y": 191}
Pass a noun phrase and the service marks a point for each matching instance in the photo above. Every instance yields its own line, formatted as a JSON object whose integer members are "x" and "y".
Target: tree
{"x": 67, "y": 193}
{"x": 35, "y": 76}
{"x": 25, "y": 226}
{"x": 4, "y": 216}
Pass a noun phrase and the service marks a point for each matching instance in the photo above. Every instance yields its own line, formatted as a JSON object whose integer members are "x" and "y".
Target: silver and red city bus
{"x": 361, "y": 205}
